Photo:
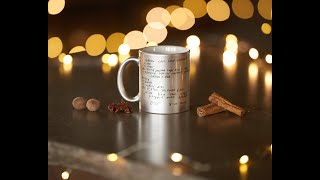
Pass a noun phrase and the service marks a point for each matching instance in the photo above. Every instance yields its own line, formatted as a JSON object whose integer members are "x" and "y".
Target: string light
{"x": 244, "y": 159}
{"x": 112, "y": 157}
{"x": 253, "y": 53}
{"x": 176, "y": 157}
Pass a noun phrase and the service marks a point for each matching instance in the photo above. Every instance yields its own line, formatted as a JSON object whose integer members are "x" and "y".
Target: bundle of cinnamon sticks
{"x": 218, "y": 104}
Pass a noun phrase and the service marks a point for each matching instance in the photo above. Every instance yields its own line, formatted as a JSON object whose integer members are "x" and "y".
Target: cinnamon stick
{"x": 209, "y": 109}
{"x": 222, "y": 102}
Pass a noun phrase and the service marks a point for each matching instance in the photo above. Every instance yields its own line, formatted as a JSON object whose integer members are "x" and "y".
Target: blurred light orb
{"x": 253, "y": 70}
{"x": 266, "y": 28}
{"x": 218, "y": 10}
{"x": 55, "y": 6}
{"x": 268, "y": 79}
{"x": 104, "y": 58}
{"x": 95, "y": 44}
{"x": 229, "y": 58}
{"x": 193, "y": 41}
{"x": 197, "y": 7}
{"x": 65, "y": 175}
{"x": 114, "y": 41}
{"x": 124, "y": 49}
{"x": 176, "y": 157}
{"x": 67, "y": 59}
{"x": 123, "y": 57}
{"x": 61, "y": 56}
{"x": 182, "y": 18}
{"x": 232, "y": 45}
{"x": 153, "y": 34}
{"x": 112, "y": 157}
{"x": 253, "y": 53}
{"x": 106, "y": 68}
{"x": 135, "y": 39}
{"x": 170, "y": 9}
{"x": 265, "y": 9}
{"x": 77, "y": 49}
{"x": 243, "y": 168}
{"x": 54, "y": 47}
{"x": 151, "y": 44}
{"x": 113, "y": 60}
{"x": 177, "y": 171}
{"x": 242, "y": 8}
{"x": 269, "y": 58}
{"x": 160, "y": 15}
{"x": 244, "y": 159}
{"x": 231, "y": 37}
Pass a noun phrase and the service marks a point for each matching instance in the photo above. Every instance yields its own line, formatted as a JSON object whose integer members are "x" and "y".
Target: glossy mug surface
{"x": 164, "y": 85}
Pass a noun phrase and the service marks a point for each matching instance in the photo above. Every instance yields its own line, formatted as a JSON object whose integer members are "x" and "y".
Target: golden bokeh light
{"x": 271, "y": 148}
{"x": 266, "y": 28}
{"x": 170, "y": 9}
{"x": 176, "y": 157}
{"x": 157, "y": 35}
{"x": 242, "y": 8}
{"x": 198, "y": 7}
{"x": 231, "y": 37}
{"x": 104, "y": 58}
{"x": 269, "y": 58}
{"x": 231, "y": 45}
{"x": 243, "y": 168}
{"x": 151, "y": 44}
{"x": 253, "y": 72}
{"x": 61, "y": 56}
{"x": 114, "y": 41}
{"x": 264, "y": 9}
{"x": 218, "y": 10}
{"x": 77, "y": 49}
{"x": 177, "y": 171}
{"x": 253, "y": 53}
{"x": 229, "y": 58}
{"x": 95, "y": 44}
{"x": 193, "y": 41}
{"x": 65, "y": 69}
{"x": 124, "y": 49}
{"x": 182, "y": 18}
{"x": 160, "y": 15}
{"x": 55, "y": 6}
{"x": 123, "y": 57}
{"x": 65, "y": 175}
{"x": 55, "y": 47}
{"x": 268, "y": 80}
{"x": 244, "y": 159}
{"x": 194, "y": 53}
{"x": 113, "y": 60}
{"x": 112, "y": 157}
{"x": 135, "y": 39}
{"x": 106, "y": 68}
{"x": 67, "y": 59}
{"x": 193, "y": 69}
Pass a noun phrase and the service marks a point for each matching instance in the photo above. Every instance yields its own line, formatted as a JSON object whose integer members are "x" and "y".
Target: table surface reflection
{"x": 217, "y": 141}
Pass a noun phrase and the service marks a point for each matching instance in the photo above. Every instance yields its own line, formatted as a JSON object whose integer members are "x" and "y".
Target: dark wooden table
{"x": 216, "y": 141}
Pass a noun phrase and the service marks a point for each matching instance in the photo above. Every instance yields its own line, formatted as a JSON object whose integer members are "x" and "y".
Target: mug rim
{"x": 143, "y": 50}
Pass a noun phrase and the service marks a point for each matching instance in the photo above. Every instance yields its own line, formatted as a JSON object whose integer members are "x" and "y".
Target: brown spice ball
{"x": 93, "y": 104}
{"x": 79, "y": 103}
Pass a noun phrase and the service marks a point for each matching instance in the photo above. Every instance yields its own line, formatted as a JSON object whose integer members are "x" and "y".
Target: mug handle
{"x": 121, "y": 89}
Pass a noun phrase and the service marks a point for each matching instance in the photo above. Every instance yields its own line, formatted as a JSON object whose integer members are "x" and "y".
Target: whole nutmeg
{"x": 79, "y": 103}
{"x": 93, "y": 104}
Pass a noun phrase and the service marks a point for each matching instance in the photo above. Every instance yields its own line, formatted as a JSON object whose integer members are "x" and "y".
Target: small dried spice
{"x": 120, "y": 107}
{"x": 79, "y": 103}
{"x": 93, "y": 104}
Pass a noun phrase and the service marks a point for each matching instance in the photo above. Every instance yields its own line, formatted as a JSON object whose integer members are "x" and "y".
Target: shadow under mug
{"x": 164, "y": 83}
